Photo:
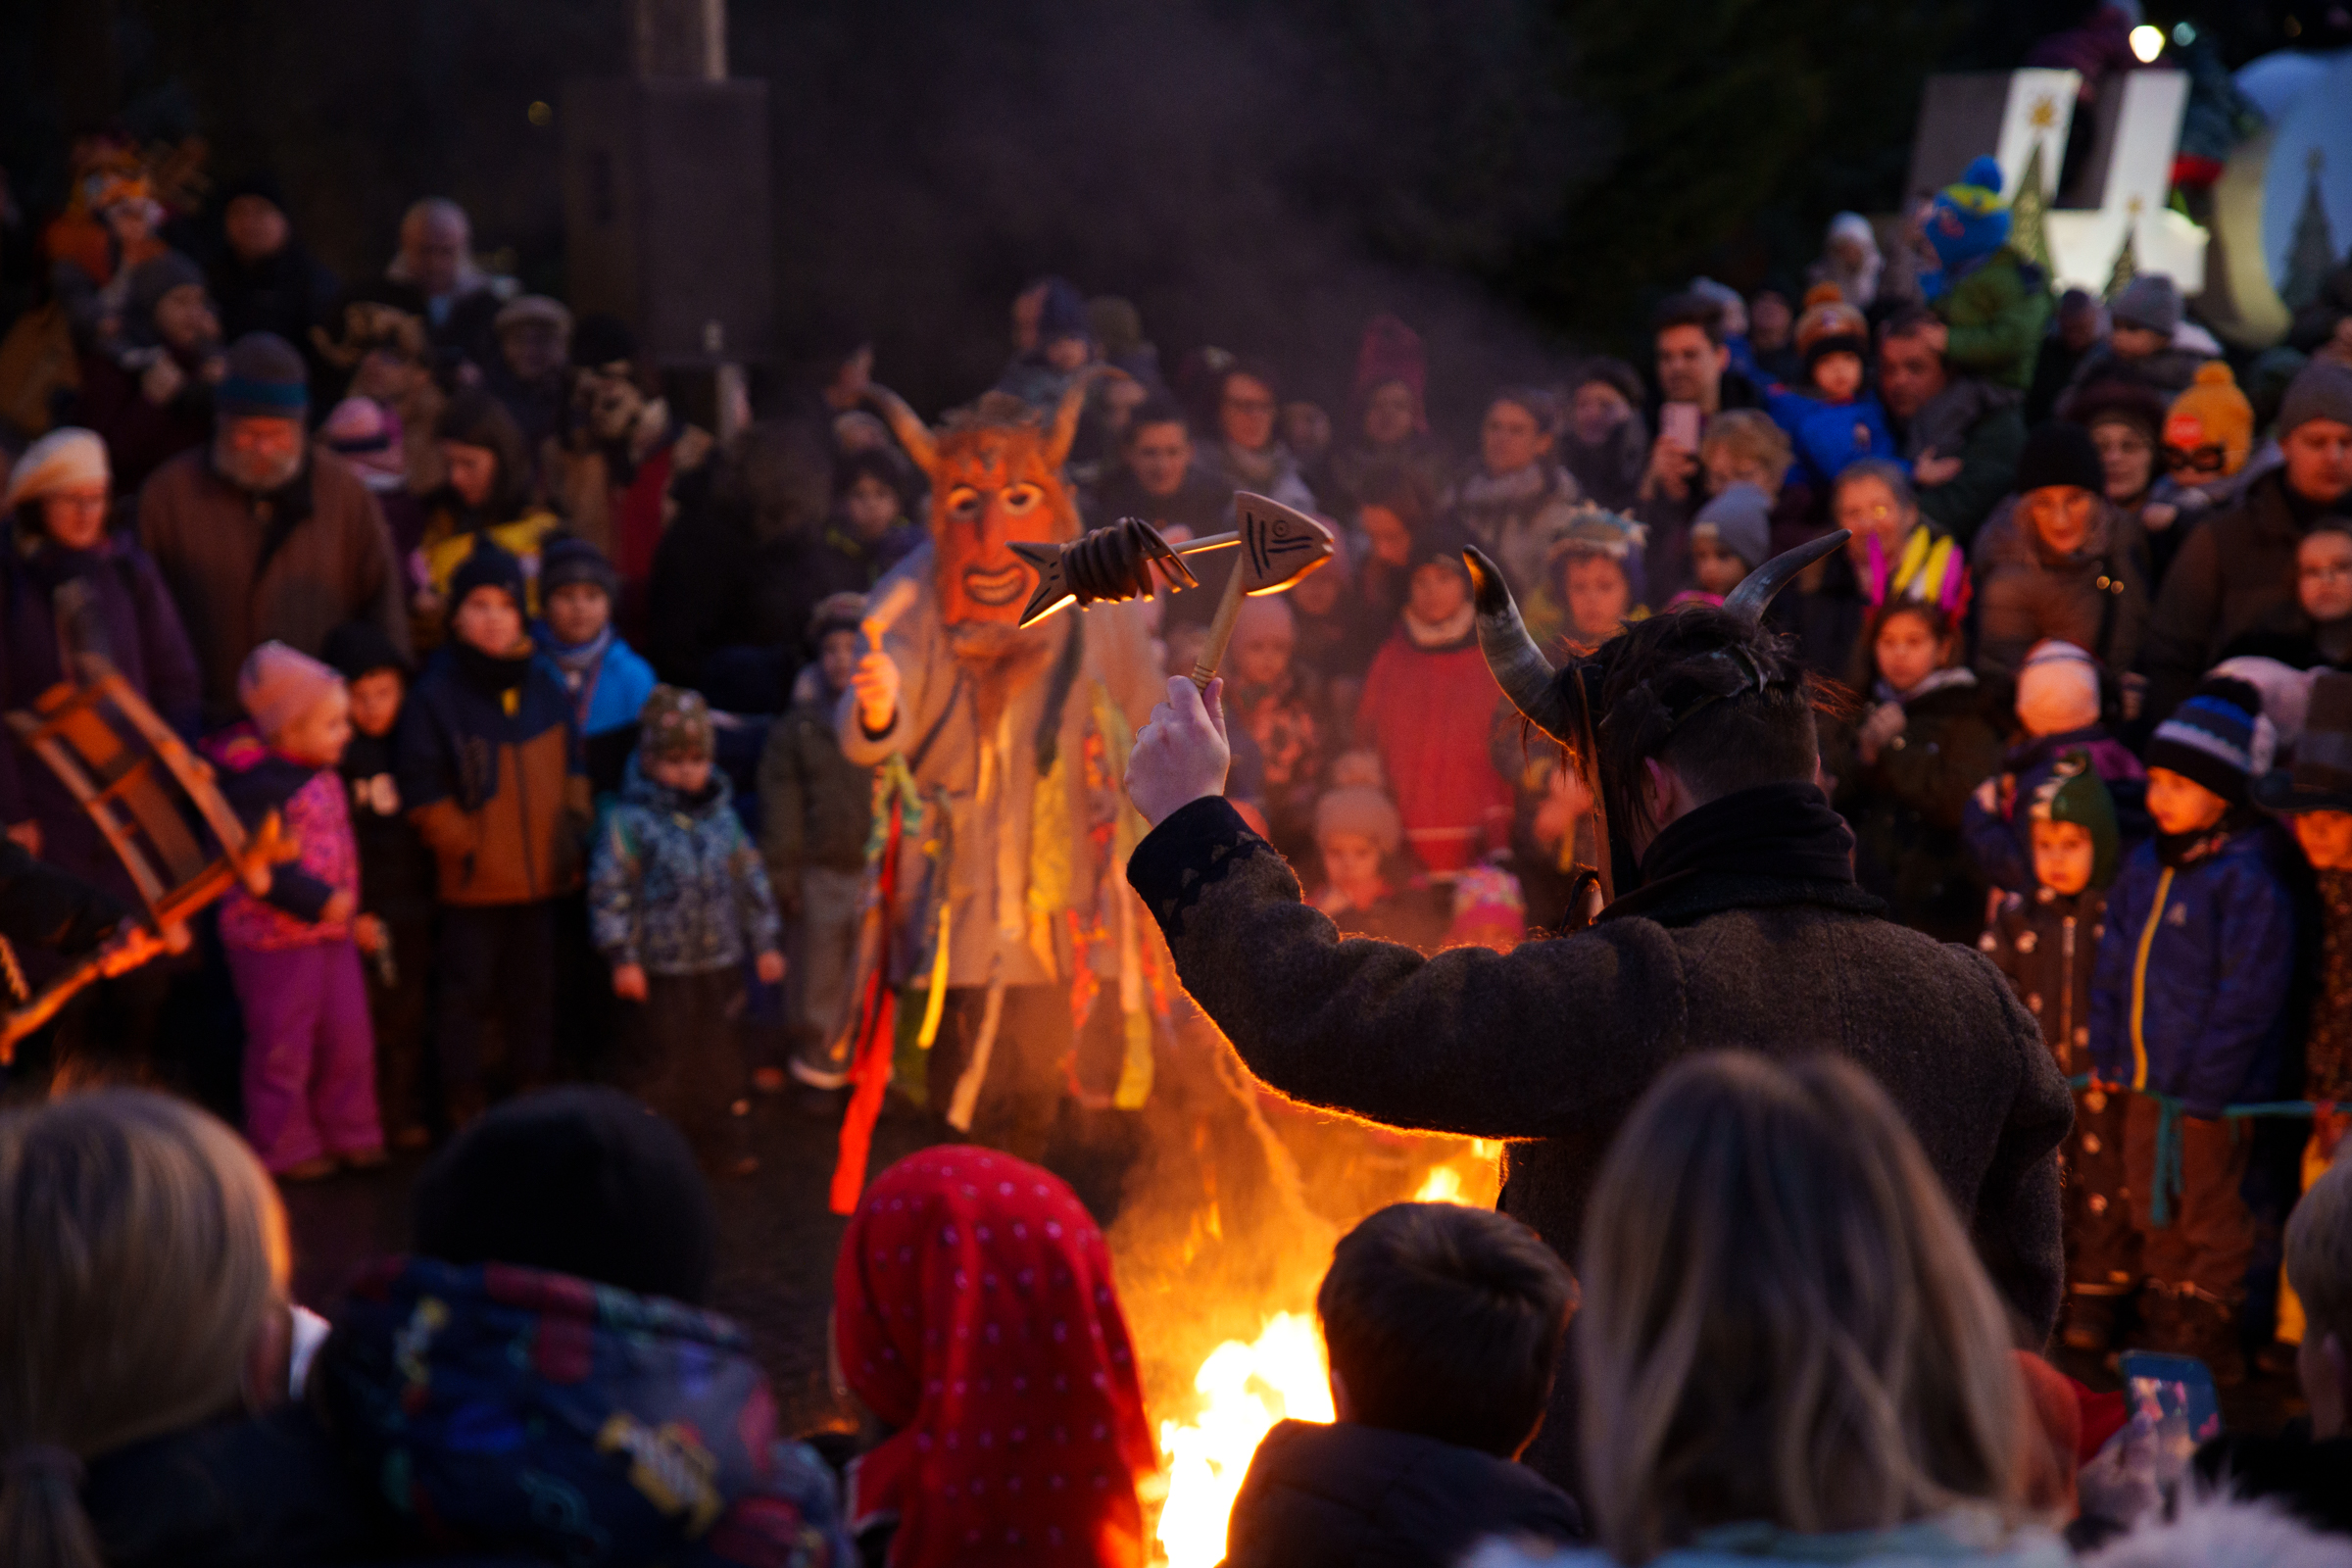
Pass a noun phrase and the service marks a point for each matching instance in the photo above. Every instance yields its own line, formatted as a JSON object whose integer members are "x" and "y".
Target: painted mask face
{"x": 996, "y": 478}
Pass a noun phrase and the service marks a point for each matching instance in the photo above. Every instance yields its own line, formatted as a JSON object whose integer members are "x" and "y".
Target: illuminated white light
{"x": 2147, "y": 42}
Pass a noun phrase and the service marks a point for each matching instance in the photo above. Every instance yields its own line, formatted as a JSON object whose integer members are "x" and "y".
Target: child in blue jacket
{"x": 2189, "y": 1010}
{"x": 1834, "y": 418}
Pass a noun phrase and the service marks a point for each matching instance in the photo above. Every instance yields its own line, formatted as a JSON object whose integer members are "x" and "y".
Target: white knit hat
{"x": 2058, "y": 689}
{"x": 62, "y": 460}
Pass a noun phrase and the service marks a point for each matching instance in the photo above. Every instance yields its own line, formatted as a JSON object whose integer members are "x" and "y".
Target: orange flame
{"x": 1280, "y": 1375}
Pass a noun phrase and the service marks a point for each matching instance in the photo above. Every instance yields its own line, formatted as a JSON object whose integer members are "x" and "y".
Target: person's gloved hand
{"x": 1182, "y": 754}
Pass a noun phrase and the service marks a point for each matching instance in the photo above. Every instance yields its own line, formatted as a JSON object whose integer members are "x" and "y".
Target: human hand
{"x": 1671, "y": 464}
{"x": 628, "y": 981}
{"x": 769, "y": 966}
{"x": 342, "y": 907}
{"x": 876, "y": 683}
{"x": 369, "y": 932}
{"x": 1182, "y": 755}
{"x": 1884, "y": 724}
{"x": 161, "y": 381}
{"x": 1936, "y": 335}
{"x": 27, "y": 836}
{"x": 1929, "y": 470}
{"x": 2158, "y": 515}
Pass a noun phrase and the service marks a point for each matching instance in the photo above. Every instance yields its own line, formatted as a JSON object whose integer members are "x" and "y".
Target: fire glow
{"x": 1246, "y": 1388}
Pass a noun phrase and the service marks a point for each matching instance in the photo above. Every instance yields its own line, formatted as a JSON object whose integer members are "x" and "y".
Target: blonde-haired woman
{"x": 1788, "y": 1347}
{"x": 143, "y": 1312}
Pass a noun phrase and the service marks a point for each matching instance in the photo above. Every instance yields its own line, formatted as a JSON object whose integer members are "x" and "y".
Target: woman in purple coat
{"x": 68, "y": 581}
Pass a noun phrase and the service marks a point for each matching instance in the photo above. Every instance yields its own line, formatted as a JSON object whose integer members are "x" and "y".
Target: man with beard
{"x": 1020, "y": 735}
{"x": 1740, "y": 925}
{"x": 261, "y": 538}
{"x": 626, "y": 470}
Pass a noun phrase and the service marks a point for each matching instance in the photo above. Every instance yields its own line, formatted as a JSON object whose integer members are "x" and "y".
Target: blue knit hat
{"x": 2218, "y": 738}
{"x": 1968, "y": 220}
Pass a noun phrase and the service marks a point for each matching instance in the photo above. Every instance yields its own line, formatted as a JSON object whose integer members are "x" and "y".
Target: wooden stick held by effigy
{"x": 1279, "y": 545}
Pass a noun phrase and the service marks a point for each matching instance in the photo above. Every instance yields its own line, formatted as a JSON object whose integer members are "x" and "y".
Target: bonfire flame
{"x": 1281, "y": 1375}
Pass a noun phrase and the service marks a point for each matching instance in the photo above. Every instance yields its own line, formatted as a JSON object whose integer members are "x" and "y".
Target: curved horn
{"x": 1756, "y": 589}
{"x": 908, "y": 427}
{"x": 1518, "y": 666}
{"x": 1064, "y": 428}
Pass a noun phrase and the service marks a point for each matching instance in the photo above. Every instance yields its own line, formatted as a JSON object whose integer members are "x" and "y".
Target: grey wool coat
{"x": 1550, "y": 1045}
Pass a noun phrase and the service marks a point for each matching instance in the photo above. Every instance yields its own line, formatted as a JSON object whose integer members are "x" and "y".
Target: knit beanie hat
{"x": 2218, "y": 738}
{"x": 156, "y": 276}
{"x": 1489, "y": 910}
{"x": 579, "y": 1181}
{"x": 361, "y": 648}
{"x": 1062, "y": 313}
{"x": 2115, "y": 401}
{"x": 674, "y": 726}
{"x": 2148, "y": 301}
{"x": 2320, "y": 390}
{"x": 1361, "y": 810}
{"x": 1967, "y": 220}
{"x": 842, "y": 611}
{"x": 2285, "y": 692}
{"x": 65, "y": 458}
{"x": 2074, "y": 793}
{"x": 265, "y": 380}
{"x": 366, "y": 434}
{"x": 487, "y": 567}
{"x": 2059, "y": 453}
{"x": 1741, "y": 519}
{"x": 2320, "y": 777}
{"x": 1831, "y": 326}
{"x": 566, "y": 561}
{"x": 2211, "y": 412}
{"x": 1594, "y": 530}
{"x": 278, "y": 685}
{"x": 536, "y": 307}
{"x": 2057, "y": 689}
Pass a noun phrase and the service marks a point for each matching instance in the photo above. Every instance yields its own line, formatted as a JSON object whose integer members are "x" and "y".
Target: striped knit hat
{"x": 2218, "y": 738}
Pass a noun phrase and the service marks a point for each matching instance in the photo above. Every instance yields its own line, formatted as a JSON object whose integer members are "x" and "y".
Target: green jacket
{"x": 1996, "y": 315}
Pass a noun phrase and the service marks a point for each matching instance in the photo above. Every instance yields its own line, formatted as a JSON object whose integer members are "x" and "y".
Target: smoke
{"x": 1261, "y": 177}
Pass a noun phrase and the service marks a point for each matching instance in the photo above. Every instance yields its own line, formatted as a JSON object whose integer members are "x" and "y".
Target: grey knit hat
{"x": 2320, "y": 390}
{"x": 2149, "y": 299}
{"x": 266, "y": 377}
{"x": 1741, "y": 519}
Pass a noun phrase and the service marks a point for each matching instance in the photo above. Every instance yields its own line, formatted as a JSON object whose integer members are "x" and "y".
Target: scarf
{"x": 1935, "y": 681}
{"x": 1484, "y": 489}
{"x": 1784, "y": 831}
{"x": 1440, "y": 636}
{"x": 2181, "y": 851}
{"x": 493, "y": 674}
{"x": 578, "y": 661}
{"x": 974, "y": 1315}
{"x": 1264, "y": 468}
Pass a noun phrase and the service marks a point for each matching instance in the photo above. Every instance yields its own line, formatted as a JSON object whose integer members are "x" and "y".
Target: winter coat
{"x": 499, "y": 794}
{"x": 674, "y": 883}
{"x": 1988, "y": 453}
{"x": 1515, "y": 517}
{"x": 1550, "y": 1045}
{"x": 2001, "y": 844}
{"x": 2234, "y": 576}
{"x": 536, "y": 1415}
{"x": 396, "y": 869}
{"x": 1995, "y": 311}
{"x": 140, "y": 435}
{"x": 1426, "y": 712}
{"x": 995, "y": 865}
{"x": 255, "y": 1493}
{"x": 2195, "y": 971}
{"x": 2048, "y": 943}
{"x": 132, "y": 621}
{"x": 608, "y": 689}
{"x": 291, "y": 566}
{"x": 257, "y": 780}
{"x": 1348, "y": 1495}
{"x": 2167, "y": 370}
{"x": 287, "y": 293}
{"x": 2095, "y": 597}
{"x": 817, "y": 806}
{"x": 1906, "y": 808}
{"x": 1826, "y": 435}
{"x": 1965, "y": 1536}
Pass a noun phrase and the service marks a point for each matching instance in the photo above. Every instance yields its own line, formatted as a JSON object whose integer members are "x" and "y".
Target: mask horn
{"x": 908, "y": 426}
{"x": 1064, "y": 428}
{"x": 1756, "y": 592}
{"x": 1518, "y": 666}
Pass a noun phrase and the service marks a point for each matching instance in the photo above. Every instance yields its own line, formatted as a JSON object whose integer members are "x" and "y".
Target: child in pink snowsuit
{"x": 309, "y": 1051}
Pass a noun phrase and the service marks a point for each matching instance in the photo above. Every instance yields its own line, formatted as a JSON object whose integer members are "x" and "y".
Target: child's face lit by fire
{"x": 376, "y": 701}
{"x": 2181, "y": 804}
{"x": 685, "y": 774}
{"x": 1909, "y": 650}
{"x": 489, "y": 621}
{"x": 577, "y": 611}
{"x": 1351, "y": 864}
{"x": 2063, "y": 856}
{"x": 317, "y": 736}
{"x": 1838, "y": 377}
{"x": 1438, "y": 592}
{"x": 838, "y": 655}
{"x": 2325, "y": 837}
{"x": 1598, "y": 595}
{"x": 1715, "y": 569}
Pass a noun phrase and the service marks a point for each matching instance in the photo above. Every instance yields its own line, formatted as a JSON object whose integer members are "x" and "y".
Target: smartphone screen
{"x": 1679, "y": 424}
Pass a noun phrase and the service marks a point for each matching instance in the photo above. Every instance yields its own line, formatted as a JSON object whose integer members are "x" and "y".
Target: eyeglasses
{"x": 2198, "y": 460}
